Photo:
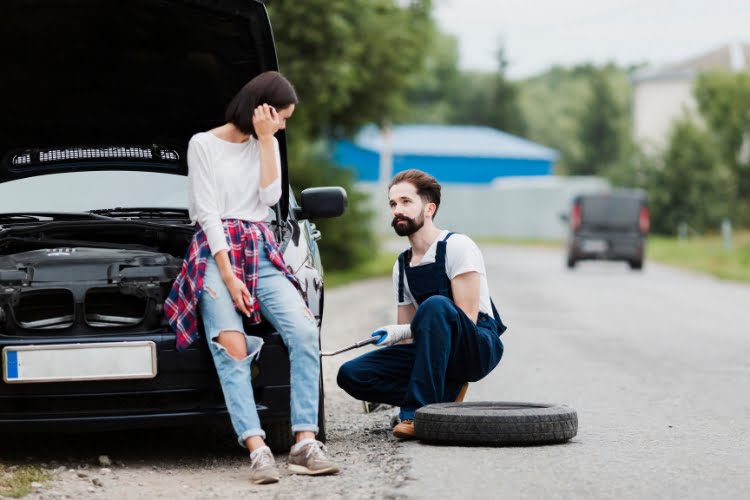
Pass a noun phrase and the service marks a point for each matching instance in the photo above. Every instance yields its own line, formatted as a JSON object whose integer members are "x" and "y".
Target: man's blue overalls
{"x": 448, "y": 348}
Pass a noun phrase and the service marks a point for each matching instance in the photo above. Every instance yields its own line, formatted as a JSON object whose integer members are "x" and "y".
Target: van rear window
{"x": 610, "y": 211}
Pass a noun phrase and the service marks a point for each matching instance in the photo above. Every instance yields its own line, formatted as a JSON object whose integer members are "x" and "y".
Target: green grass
{"x": 380, "y": 266}
{"x": 16, "y": 483}
{"x": 497, "y": 240}
{"x": 705, "y": 254}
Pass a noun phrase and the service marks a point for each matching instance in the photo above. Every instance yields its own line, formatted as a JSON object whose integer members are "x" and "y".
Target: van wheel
{"x": 571, "y": 263}
{"x": 635, "y": 265}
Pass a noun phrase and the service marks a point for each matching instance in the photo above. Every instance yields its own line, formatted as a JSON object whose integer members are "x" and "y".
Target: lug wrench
{"x": 367, "y": 341}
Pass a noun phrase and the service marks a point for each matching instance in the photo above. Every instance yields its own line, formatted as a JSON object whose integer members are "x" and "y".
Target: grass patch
{"x": 526, "y": 242}
{"x": 705, "y": 254}
{"x": 16, "y": 482}
{"x": 380, "y": 266}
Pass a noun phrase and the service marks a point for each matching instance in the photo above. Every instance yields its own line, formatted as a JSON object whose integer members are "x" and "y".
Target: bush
{"x": 347, "y": 241}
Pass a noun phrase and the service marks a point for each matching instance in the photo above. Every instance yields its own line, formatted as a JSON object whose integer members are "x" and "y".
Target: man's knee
{"x": 347, "y": 376}
{"x": 434, "y": 307}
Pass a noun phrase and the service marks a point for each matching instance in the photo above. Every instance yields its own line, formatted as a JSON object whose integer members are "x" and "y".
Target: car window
{"x": 610, "y": 211}
{"x": 82, "y": 191}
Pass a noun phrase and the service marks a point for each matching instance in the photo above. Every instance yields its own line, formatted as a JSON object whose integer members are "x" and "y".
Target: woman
{"x": 234, "y": 267}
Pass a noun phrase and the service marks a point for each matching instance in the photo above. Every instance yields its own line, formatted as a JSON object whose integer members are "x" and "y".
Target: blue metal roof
{"x": 454, "y": 141}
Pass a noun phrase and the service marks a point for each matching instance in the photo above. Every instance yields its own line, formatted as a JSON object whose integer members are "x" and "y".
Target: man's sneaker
{"x": 405, "y": 429}
{"x": 309, "y": 457}
{"x": 263, "y": 467}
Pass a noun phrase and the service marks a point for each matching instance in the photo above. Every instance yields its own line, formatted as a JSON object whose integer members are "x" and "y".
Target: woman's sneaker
{"x": 263, "y": 466}
{"x": 309, "y": 457}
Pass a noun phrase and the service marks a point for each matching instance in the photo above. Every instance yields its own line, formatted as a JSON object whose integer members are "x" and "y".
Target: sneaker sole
{"x": 301, "y": 469}
{"x": 265, "y": 480}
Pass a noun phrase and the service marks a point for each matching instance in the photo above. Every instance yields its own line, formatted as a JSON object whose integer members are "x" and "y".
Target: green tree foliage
{"x": 555, "y": 102}
{"x": 489, "y": 99}
{"x": 350, "y": 61}
{"x": 724, "y": 103}
{"x": 433, "y": 89}
{"x": 692, "y": 184}
{"x": 600, "y": 132}
{"x": 347, "y": 240}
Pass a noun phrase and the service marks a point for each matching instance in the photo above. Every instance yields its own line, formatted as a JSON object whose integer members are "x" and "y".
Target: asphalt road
{"x": 657, "y": 364}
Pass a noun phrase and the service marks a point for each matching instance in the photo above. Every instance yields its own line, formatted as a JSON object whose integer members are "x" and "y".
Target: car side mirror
{"x": 322, "y": 202}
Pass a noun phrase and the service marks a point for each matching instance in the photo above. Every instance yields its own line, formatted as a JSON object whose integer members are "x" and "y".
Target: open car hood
{"x": 90, "y": 85}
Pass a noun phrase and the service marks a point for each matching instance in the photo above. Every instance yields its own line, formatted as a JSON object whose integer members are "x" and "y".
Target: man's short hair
{"x": 428, "y": 188}
{"x": 270, "y": 88}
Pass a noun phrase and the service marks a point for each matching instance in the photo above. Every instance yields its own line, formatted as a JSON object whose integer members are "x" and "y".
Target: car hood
{"x": 125, "y": 84}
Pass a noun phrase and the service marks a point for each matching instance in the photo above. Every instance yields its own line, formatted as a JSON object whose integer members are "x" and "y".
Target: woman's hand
{"x": 240, "y": 295}
{"x": 266, "y": 121}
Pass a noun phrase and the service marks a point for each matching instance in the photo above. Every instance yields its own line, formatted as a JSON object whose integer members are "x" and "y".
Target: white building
{"x": 662, "y": 95}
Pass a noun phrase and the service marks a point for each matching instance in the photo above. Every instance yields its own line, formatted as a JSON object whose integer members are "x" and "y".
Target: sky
{"x": 541, "y": 33}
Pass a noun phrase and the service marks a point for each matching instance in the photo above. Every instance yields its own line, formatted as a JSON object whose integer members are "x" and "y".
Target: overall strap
{"x": 441, "y": 246}
{"x": 401, "y": 264}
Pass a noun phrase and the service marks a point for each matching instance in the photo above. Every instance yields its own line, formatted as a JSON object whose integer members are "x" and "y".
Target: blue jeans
{"x": 448, "y": 350}
{"x": 283, "y": 306}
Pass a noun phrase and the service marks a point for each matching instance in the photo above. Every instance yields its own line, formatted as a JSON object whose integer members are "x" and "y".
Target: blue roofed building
{"x": 452, "y": 153}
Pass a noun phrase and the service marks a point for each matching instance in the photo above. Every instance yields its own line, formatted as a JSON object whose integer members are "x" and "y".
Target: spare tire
{"x": 495, "y": 423}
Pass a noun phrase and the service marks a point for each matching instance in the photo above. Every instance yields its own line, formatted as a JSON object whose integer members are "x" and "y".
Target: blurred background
{"x": 516, "y": 107}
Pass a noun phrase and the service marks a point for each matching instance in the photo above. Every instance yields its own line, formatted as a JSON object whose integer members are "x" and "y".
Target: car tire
{"x": 495, "y": 423}
{"x": 322, "y": 412}
{"x": 571, "y": 263}
{"x": 279, "y": 435}
{"x": 636, "y": 265}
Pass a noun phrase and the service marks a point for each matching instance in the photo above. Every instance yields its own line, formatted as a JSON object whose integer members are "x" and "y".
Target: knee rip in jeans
{"x": 222, "y": 348}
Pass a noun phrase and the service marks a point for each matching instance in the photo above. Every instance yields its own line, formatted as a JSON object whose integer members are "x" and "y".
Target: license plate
{"x": 79, "y": 362}
{"x": 594, "y": 245}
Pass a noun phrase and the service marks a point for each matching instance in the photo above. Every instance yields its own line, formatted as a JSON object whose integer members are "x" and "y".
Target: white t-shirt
{"x": 462, "y": 255}
{"x": 224, "y": 183}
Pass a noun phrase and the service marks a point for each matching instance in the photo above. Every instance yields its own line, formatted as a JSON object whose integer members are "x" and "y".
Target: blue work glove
{"x": 392, "y": 334}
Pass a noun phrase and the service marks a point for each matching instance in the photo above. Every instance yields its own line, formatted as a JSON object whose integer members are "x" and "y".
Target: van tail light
{"x": 643, "y": 221}
{"x": 575, "y": 217}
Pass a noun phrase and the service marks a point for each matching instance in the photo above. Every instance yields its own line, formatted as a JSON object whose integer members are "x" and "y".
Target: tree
{"x": 491, "y": 100}
{"x": 724, "y": 103}
{"x": 692, "y": 185}
{"x": 600, "y": 132}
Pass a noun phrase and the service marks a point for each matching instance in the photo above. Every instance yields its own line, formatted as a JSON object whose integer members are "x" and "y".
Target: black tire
{"x": 571, "y": 263}
{"x": 279, "y": 435}
{"x": 322, "y": 411}
{"x": 636, "y": 265}
{"x": 495, "y": 423}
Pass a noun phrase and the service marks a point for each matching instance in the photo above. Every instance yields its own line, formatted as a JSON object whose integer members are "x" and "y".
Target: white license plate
{"x": 594, "y": 245}
{"x": 79, "y": 362}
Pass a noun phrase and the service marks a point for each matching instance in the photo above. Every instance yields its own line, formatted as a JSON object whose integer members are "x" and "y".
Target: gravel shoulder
{"x": 194, "y": 464}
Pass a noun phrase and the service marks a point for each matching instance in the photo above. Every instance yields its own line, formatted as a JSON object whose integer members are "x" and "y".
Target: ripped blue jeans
{"x": 282, "y": 305}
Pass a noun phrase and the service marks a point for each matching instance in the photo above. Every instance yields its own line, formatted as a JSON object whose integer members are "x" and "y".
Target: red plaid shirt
{"x": 181, "y": 306}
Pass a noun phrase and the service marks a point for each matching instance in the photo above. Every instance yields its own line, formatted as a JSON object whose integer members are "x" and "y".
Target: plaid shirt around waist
{"x": 181, "y": 306}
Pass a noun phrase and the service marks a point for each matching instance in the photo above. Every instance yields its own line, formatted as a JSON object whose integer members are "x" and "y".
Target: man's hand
{"x": 392, "y": 334}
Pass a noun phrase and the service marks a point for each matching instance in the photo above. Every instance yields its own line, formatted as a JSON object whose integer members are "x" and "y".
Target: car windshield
{"x": 84, "y": 191}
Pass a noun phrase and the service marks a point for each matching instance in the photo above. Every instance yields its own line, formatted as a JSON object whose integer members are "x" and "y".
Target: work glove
{"x": 392, "y": 334}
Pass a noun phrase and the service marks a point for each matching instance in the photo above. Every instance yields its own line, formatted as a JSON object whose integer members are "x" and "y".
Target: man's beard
{"x": 408, "y": 226}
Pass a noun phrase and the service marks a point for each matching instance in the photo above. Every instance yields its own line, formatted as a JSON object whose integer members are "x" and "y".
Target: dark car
{"x": 99, "y": 103}
{"x": 611, "y": 225}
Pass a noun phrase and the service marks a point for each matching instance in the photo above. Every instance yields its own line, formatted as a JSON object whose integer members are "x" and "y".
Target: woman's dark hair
{"x": 270, "y": 88}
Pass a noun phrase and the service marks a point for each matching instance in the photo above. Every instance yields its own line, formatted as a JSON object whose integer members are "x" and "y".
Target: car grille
{"x": 108, "y": 308}
{"x": 45, "y": 309}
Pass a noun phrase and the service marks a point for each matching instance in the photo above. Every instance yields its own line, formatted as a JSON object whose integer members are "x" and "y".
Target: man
{"x": 443, "y": 306}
